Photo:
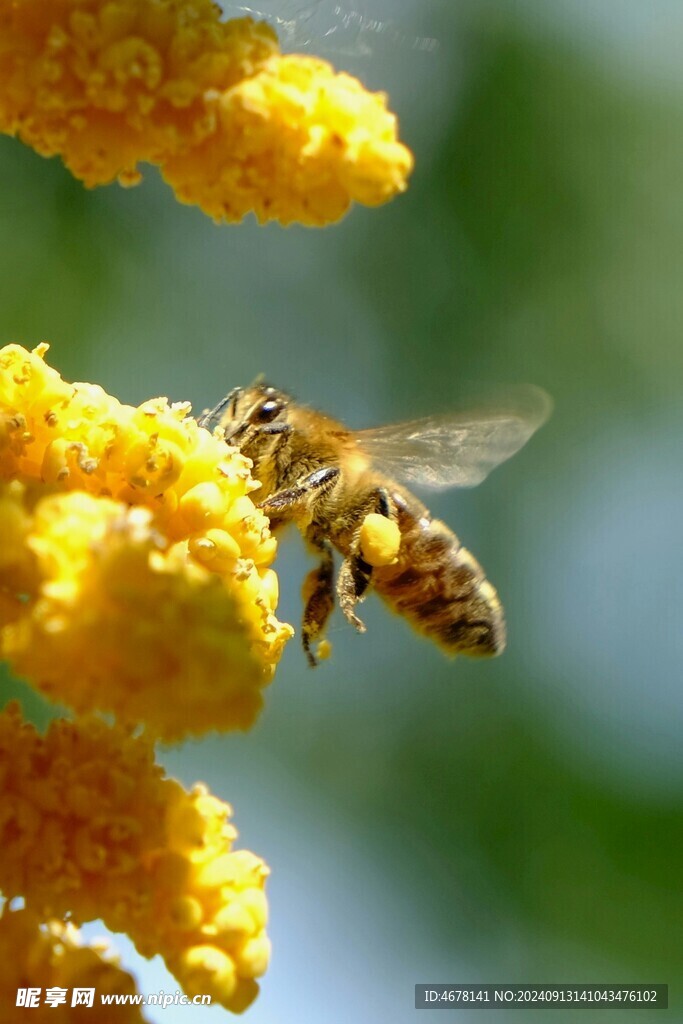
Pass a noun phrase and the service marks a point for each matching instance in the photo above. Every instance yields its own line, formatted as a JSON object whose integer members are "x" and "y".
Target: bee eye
{"x": 267, "y": 411}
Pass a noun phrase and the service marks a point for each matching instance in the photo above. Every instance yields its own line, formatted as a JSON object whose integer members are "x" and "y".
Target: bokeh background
{"x": 519, "y": 820}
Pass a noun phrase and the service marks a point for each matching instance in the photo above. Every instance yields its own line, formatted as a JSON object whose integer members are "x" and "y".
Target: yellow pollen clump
{"x": 234, "y": 125}
{"x": 324, "y": 650}
{"x": 380, "y": 540}
{"x": 134, "y": 567}
{"x": 91, "y": 827}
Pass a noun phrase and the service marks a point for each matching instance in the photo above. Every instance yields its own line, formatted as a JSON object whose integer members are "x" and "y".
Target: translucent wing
{"x": 457, "y": 449}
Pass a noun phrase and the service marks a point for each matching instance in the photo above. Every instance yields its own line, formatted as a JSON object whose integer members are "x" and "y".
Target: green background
{"x": 426, "y": 820}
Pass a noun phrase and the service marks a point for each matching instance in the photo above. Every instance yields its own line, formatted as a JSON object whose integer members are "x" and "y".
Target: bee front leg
{"x": 287, "y": 500}
{"x": 318, "y": 592}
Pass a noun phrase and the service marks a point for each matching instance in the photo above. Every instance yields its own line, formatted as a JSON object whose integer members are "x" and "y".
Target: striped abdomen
{"x": 440, "y": 587}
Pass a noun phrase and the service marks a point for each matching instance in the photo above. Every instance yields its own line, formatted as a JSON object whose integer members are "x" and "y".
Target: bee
{"x": 326, "y": 479}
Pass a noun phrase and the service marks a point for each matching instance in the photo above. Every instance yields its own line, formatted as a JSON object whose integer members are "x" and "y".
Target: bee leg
{"x": 318, "y": 482}
{"x": 355, "y": 574}
{"x": 383, "y": 505}
{"x": 250, "y": 431}
{"x": 353, "y": 580}
{"x": 318, "y": 593}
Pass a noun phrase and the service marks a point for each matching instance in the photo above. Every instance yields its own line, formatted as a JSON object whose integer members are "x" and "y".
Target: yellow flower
{"x": 296, "y": 142}
{"x": 52, "y": 956}
{"x": 90, "y": 827}
{"x": 134, "y": 567}
{"x": 234, "y": 125}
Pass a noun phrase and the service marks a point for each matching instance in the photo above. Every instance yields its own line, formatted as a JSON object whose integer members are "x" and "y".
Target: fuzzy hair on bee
{"x": 327, "y": 480}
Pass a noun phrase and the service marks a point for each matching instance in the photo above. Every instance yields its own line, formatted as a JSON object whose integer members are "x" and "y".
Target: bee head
{"x": 255, "y": 406}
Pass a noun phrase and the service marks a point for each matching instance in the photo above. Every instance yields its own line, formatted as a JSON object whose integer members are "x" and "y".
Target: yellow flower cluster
{"x": 91, "y": 827}
{"x": 234, "y": 125}
{"x": 58, "y": 960}
{"x": 134, "y": 567}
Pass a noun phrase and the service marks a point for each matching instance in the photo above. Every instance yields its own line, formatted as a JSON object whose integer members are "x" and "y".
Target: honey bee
{"x": 327, "y": 479}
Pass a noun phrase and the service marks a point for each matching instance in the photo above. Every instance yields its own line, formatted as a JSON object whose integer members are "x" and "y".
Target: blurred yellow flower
{"x": 54, "y": 955}
{"x": 134, "y": 567}
{"x": 234, "y": 125}
{"x": 90, "y": 827}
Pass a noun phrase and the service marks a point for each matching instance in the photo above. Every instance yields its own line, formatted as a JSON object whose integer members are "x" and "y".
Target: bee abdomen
{"x": 441, "y": 588}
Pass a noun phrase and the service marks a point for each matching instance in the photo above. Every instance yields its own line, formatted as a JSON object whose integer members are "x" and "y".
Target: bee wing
{"x": 457, "y": 449}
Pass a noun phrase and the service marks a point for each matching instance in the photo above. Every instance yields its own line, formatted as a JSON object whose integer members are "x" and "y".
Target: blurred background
{"x": 426, "y": 820}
